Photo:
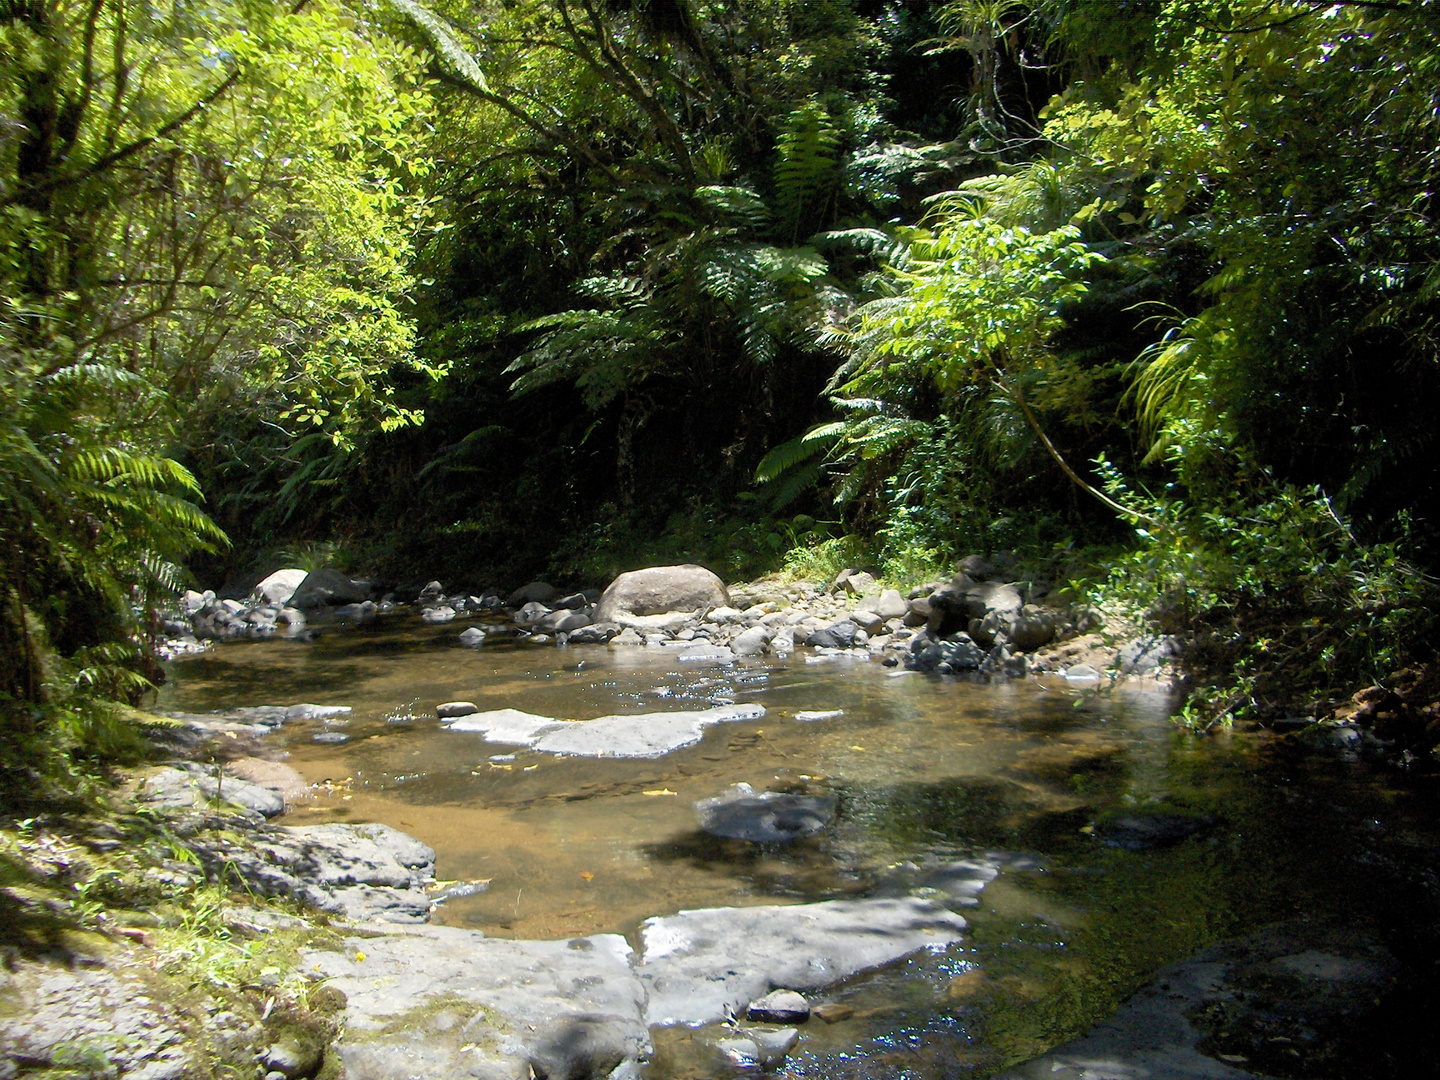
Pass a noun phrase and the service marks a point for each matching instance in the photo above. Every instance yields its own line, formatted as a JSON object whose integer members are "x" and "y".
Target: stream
{"x": 1118, "y": 843}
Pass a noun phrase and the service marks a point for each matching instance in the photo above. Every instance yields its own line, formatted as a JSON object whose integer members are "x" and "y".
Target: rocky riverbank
{"x": 981, "y": 622}
{"x": 336, "y": 974}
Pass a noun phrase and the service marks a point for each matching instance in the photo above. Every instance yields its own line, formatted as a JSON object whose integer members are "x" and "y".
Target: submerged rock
{"x": 742, "y": 813}
{"x": 1145, "y": 831}
{"x": 1294, "y": 999}
{"x": 700, "y": 964}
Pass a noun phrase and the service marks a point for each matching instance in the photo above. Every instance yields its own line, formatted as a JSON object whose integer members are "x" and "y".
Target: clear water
{"x": 926, "y": 771}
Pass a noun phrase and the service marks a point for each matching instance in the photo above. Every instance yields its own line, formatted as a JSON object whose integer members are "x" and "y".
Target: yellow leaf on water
{"x": 359, "y": 957}
{"x": 587, "y": 875}
{"x": 659, "y": 791}
{"x": 860, "y": 748}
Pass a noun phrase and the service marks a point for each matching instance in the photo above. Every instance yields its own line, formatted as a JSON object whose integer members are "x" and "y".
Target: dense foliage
{"x": 484, "y": 290}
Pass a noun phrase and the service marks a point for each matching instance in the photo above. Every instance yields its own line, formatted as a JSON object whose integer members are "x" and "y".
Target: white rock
{"x": 280, "y": 586}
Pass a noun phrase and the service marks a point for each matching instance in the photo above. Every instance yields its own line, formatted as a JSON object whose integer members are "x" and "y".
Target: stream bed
{"x": 1086, "y": 839}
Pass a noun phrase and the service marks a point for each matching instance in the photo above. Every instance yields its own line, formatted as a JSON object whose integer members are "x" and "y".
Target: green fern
{"x": 807, "y": 172}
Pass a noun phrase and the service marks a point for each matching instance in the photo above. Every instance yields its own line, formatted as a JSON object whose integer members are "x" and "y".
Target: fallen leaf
{"x": 587, "y": 875}
{"x": 659, "y": 791}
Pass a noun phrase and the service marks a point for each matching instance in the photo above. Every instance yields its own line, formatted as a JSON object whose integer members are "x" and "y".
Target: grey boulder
{"x": 658, "y": 590}
{"x": 326, "y": 587}
{"x": 752, "y": 642}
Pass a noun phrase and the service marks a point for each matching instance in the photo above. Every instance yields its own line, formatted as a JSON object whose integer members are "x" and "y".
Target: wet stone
{"x": 779, "y": 1007}
{"x": 450, "y": 709}
{"x": 766, "y": 816}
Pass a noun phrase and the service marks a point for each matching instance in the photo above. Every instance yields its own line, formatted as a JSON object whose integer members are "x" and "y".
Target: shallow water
{"x": 1020, "y": 775}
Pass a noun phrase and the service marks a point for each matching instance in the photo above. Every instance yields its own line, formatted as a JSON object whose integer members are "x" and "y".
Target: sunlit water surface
{"x": 926, "y": 771}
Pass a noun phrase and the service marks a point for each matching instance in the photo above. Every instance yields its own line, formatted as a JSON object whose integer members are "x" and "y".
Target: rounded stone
{"x": 779, "y": 1007}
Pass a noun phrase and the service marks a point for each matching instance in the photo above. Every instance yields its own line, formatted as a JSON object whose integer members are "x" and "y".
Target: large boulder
{"x": 657, "y": 590}
{"x": 280, "y": 586}
{"x": 328, "y": 587}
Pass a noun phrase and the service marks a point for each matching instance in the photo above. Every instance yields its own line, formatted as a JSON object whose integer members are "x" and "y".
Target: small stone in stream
{"x": 330, "y": 737}
{"x": 832, "y": 1012}
{"x": 1082, "y": 673}
{"x": 819, "y": 714}
{"x": 449, "y": 709}
{"x": 764, "y": 817}
{"x": 779, "y": 1007}
{"x": 472, "y": 637}
{"x": 758, "y": 1047}
{"x": 444, "y": 613}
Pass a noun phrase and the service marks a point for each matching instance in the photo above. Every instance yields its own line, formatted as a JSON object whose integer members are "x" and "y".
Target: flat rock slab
{"x": 441, "y": 1001}
{"x": 186, "y": 785}
{"x": 699, "y": 964}
{"x": 50, "y": 1012}
{"x": 360, "y": 871}
{"x": 508, "y": 726}
{"x": 1320, "y": 981}
{"x": 255, "y": 719}
{"x": 276, "y": 776}
{"x": 646, "y": 735}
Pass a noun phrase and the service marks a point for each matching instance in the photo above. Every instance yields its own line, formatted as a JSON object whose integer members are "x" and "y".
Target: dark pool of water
{"x": 1028, "y": 776}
